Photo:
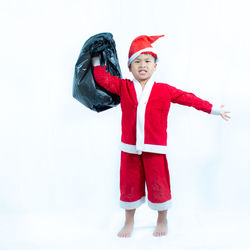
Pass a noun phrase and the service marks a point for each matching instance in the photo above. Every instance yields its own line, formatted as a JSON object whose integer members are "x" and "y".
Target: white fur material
{"x": 132, "y": 205}
{"x": 132, "y": 58}
{"x": 142, "y": 98}
{"x": 158, "y": 149}
{"x": 96, "y": 61}
{"x": 215, "y": 111}
{"x": 160, "y": 206}
{"x": 128, "y": 148}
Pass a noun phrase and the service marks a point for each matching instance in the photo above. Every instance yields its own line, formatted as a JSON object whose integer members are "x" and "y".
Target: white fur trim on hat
{"x": 133, "y": 57}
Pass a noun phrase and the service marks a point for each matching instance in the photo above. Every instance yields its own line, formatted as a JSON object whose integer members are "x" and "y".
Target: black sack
{"x": 85, "y": 88}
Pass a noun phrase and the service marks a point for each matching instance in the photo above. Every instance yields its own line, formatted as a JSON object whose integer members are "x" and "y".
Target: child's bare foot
{"x": 126, "y": 231}
{"x": 161, "y": 229}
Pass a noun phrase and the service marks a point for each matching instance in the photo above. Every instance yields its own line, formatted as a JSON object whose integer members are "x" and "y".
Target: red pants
{"x": 135, "y": 171}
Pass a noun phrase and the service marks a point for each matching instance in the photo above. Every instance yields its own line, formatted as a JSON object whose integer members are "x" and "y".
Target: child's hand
{"x": 97, "y": 48}
{"x": 224, "y": 113}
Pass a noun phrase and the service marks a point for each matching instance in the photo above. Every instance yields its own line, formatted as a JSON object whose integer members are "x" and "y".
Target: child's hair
{"x": 154, "y": 58}
{"x": 152, "y": 54}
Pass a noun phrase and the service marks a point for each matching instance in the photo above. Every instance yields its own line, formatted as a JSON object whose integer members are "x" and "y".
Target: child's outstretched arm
{"x": 106, "y": 80}
{"x": 189, "y": 99}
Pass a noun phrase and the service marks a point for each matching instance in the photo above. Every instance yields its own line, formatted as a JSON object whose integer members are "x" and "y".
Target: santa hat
{"x": 142, "y": 45}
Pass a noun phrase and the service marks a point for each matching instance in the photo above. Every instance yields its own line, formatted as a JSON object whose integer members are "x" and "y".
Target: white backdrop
{"x": 59, "y": 172}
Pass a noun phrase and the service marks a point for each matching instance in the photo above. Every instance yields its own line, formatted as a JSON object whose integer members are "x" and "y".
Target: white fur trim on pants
{"x": 132, "y": 205}
{"x": 160, "y": 206}
{"x": 155, "y": 206}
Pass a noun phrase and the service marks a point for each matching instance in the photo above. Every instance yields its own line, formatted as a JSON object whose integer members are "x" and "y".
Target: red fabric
{"x": 151, "y": 53}
{"x": 156, "y": 110}
{"x": 150, "y": 168}
{"x": 142, "y": 42}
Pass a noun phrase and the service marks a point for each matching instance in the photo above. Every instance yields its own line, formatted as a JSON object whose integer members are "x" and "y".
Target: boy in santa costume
{"x": 145, "y": 105}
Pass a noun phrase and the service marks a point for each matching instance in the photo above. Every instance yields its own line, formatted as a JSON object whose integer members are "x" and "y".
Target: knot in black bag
{"x": 85, "y": 88}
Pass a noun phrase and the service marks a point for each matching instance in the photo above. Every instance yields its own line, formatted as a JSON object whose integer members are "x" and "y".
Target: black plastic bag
{"x": 85, "y": 88}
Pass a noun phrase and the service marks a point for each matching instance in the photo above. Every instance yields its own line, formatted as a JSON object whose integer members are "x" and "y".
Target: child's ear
{"x": 155, "y": 66}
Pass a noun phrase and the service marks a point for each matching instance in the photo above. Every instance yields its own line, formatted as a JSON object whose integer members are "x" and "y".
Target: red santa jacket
{"x": 144, "y": 113}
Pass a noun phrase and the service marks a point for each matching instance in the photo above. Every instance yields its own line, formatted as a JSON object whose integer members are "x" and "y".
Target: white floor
{"x": 78, "y": 231}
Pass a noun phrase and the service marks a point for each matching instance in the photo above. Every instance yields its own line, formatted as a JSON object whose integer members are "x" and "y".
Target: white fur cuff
{"x": 215, "y": 111}
{"x": 132, "y": 205}
{"x": 160, "y": 206}
{"x": 96, "y": 61}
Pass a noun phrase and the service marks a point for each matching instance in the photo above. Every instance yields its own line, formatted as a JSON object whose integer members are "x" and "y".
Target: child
{"x": 145, "y": 105}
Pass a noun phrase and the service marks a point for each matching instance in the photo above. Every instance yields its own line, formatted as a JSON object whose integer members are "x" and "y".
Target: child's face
{"x": 143, "y": 67}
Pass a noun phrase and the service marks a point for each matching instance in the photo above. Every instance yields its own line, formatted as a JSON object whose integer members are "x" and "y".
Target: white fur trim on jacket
{"x": 128, "y": 148}
{"x": 215, "y": 111}
{"x": 158, "y": 149}
{"x": 142, "y": 99}
{"x": 133, "y": 204}
{"x": 96, "y": 61}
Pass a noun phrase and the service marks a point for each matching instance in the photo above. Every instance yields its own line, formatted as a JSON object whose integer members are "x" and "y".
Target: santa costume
{"x": 144, "y": 130}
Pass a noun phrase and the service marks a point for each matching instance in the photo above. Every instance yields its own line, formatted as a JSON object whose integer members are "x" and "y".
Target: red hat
{"x": 140, "y": 45}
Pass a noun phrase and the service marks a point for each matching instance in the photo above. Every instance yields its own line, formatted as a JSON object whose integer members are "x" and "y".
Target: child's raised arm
{"x": 106, "y": 80}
